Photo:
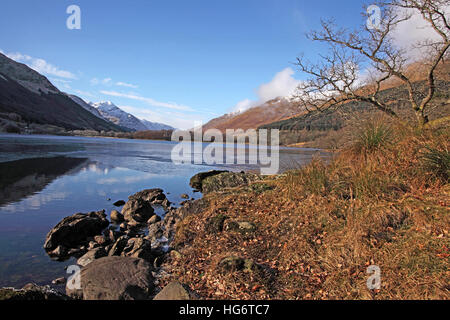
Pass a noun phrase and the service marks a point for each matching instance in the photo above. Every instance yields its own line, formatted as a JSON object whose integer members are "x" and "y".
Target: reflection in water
{"x": 22, "y": 178}
{"x": 35, "y": 194}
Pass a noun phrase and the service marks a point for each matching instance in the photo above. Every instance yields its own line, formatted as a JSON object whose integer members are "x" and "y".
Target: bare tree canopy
{"x": 359, "y": 62}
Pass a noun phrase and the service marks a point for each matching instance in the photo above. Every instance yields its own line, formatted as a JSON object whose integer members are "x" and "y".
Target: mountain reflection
{"x": 22, "y": 178}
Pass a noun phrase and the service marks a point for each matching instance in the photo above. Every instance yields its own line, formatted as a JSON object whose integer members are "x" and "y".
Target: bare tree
{"x": 338, "y": 78}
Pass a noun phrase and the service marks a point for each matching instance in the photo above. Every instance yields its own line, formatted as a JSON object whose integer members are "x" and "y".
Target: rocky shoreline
{"x": 122, "y": 259}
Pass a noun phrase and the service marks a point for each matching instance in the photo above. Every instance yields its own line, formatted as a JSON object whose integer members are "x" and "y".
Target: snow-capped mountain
{"x": 113, "y": 113}
{"x": 86, "y": 106}
{"x": 156, "y": 126}
{"x": 109, "y": 111}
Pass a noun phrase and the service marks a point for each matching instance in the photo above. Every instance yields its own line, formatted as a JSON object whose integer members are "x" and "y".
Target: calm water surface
{"x": 46, "y": 178}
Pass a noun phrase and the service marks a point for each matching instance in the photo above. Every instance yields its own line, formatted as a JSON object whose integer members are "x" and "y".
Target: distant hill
{"x": 253, "y": 118}
{"x": 109, "y": 111}
{"x": 114, "y": 114}
{"x": 35, "y": 99}
{"x": 332, "y": 119}
{"x": 155, "y": 126}
{"x": 331, "y": 128}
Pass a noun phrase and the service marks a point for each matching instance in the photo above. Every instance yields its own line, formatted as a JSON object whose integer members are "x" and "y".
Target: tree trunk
{"x": 422, "y": 119}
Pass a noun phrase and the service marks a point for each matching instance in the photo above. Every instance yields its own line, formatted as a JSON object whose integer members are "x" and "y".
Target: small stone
{"x": 118, "y": 247}
{"x": 116, "y": 216}
{"x": 92, "y": 245}
{"x": 184, "y": 196}
{"x": 176, "y": 291}
{"x": 155, "y": 231}
{"x": 57, "y": 281}
{"x": 154, "y": 219}
{"x": 175, "y": 254}
{"x": 241, "y": 226}
{"x": 158, "y": 261}
{"x": 119, "y": 203}
{"x": 92, "y": 255}
{"x": 101, "y": 240}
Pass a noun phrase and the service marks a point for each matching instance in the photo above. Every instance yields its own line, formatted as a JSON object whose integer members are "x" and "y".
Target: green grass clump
{"x": 437, "y": 162}
{"x": 372, "y": 137}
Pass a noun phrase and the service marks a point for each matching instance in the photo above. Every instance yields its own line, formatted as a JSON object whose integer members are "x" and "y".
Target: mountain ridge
{"x": 30, "y": 95}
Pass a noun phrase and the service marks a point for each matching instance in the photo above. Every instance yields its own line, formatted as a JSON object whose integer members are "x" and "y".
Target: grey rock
{"x": 138, "y": 248}
{"x": 119, "y": 203}
{"x": 116, "y": 216}
{"x": 155, "y": 231}
{"x": 196, "y": 181}
{"x": 223, "y": 181}
{"x": 91, "y": 255}
{"x": 176, "y": 291}
{"x": 137, "y": 211}
{"x": 118, "y": 246}
{"x": 154, "y": 196}
{"x": 241, "y": 226}
{"x": 116, "y": 278}
{"x": 74, "y": 231}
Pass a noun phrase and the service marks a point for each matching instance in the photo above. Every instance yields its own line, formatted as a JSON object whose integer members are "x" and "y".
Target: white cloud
{"x": 282, "y": 85}
{"x": 245, "y": 105}
{"x": 84, "y": 93}
{"x": 409, "y": 33}
{"x": 150, "y": 101}
{"x": 142, "y": 113}
{"x": 96, "y": 81}
{"x": 128, "y": 85}
{"x": 40, "y": 65}
{"x": 61, "y": 83}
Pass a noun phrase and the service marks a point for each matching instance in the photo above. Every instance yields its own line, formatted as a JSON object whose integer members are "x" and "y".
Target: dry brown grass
{"x": 320, "y": 227}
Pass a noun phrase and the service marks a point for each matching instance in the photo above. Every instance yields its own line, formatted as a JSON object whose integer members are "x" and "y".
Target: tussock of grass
{"x": 373, "y": 136}
{"x": 320, "y": 227}
{"x": 437, "y": 162}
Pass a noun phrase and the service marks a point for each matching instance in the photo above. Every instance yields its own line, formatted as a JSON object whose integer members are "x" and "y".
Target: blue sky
{"x": 169, "y": 61}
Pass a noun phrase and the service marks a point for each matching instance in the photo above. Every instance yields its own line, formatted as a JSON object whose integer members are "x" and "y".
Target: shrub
{"x": 372, "y": 137}
{"x": 437, "y": 162}
{"x": 11, "y": 128}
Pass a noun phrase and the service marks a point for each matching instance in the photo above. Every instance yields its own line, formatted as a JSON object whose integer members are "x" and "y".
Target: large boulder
{"x": 196, "y": 181}
{"x": 222, "y": 181}
{"x": 176, "y": 291}
{"x": 137, "y": 211}
{"x": 115, "y": 278}
{"x": 74, "y": 232}
{"x": 154, "y": 196}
